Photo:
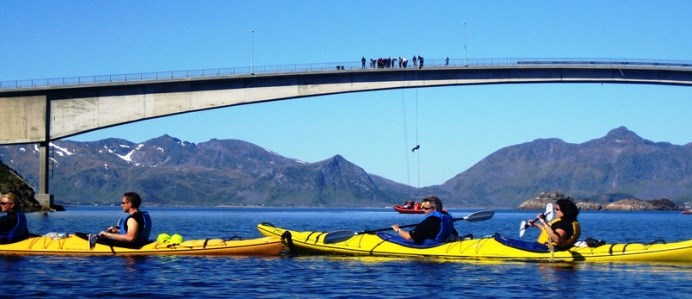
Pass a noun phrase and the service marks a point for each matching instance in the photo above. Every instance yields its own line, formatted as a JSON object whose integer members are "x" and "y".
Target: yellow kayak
{"x": 487, "y": 248}
{"x": 74, "y": 245}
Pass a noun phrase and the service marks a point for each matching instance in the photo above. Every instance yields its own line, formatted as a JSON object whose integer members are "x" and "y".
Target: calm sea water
{"x": 340, "y": 277}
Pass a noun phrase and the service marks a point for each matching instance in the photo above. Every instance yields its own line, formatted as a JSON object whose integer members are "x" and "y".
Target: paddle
{"x": 548, "y": 214}
{"x": 342, "y": 235}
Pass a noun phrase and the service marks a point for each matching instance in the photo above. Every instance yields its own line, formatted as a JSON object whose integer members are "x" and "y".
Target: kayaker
{"x": 13, "y": 226}
{"x": 438, "y": 225}
{"x": 564, "y": 230}
{"x": 133, "y": 230}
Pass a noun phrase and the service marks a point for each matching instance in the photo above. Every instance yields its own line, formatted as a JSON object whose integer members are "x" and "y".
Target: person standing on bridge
{"x": 415, "y": 61}
{"x": 362, "y": 62}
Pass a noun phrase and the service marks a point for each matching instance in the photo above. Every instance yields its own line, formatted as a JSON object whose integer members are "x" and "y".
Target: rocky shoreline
{"x": 11, "y": 182}
{"x": 627, "y": 204}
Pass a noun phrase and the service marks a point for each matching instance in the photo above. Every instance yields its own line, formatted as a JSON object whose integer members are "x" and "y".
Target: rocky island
{"x": 627, "y": 204}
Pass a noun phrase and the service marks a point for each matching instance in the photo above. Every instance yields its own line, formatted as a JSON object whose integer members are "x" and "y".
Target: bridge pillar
{"x": 26, "y": 119}
{"x": 43, "y": 197}
{"x": 45, "y": 200}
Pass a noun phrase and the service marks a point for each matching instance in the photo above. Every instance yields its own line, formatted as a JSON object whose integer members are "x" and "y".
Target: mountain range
{"x": 169, "y": 171}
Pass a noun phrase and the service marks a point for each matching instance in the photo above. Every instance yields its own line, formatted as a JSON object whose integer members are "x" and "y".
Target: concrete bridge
{"x": 40, "y": 111}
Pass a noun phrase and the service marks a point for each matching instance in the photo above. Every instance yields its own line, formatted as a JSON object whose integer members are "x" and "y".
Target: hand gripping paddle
{"x": 549, "y": 214}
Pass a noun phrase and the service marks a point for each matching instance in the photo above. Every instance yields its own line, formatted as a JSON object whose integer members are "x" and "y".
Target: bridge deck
{"x": 83, "y": 81}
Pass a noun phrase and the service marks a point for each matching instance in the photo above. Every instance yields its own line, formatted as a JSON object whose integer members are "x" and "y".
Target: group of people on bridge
{"x": 389, "y": 62}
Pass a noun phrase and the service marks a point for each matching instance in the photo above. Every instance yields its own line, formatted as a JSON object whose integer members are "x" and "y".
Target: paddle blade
{"x": 522, "y": 228}
{"x": 478, "y": 216}
{"x": 338, "y": 236}
{"x": 549, "y": 212}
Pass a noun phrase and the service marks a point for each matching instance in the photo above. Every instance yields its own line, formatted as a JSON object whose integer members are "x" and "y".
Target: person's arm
{"x": 402, "y": 233}
{"x": 132, "y": 229}
{"x": 556, "y": 235}
{"x": 419, "y": 233}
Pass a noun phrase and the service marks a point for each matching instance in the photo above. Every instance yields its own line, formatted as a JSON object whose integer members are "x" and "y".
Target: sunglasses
{"x": 427, "y": 208}
{"x": 5, "y": 203}
{"x": 124, "y": 202}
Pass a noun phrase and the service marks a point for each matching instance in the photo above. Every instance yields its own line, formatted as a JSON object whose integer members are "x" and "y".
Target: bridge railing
{"x": 328, "y": 66}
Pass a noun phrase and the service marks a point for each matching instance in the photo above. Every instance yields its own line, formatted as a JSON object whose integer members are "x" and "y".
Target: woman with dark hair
{"x": 564, "y": 230}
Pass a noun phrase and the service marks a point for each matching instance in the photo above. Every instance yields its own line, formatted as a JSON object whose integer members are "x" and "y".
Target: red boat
{"x": 412, "y": 210}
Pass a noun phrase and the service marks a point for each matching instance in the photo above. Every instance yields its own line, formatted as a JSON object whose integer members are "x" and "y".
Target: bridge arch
{"x": 50, "y": 113}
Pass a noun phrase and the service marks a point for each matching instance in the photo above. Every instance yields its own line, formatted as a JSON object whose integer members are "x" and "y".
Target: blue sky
{"x": 455, "y": 126}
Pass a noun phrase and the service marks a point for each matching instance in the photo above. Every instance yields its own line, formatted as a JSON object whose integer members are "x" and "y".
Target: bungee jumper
{"x": 415, "y": 148}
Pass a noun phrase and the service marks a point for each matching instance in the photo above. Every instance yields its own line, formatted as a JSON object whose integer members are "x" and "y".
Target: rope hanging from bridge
{"x": 417, "y": 144}
{"x": 403, "y": 119}
{"x": 406, "y": 141}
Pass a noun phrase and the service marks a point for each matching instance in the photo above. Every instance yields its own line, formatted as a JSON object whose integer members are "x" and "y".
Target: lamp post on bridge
{"x": 252, "y": 52}
{"x": 465, "y": 55}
